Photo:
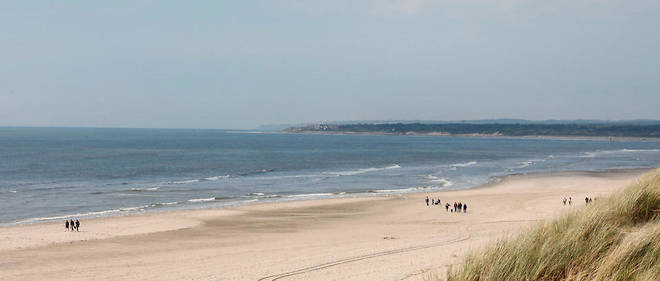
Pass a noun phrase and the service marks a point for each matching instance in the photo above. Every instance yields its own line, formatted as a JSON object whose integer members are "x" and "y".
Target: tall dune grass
{"x": 617, "y": 238}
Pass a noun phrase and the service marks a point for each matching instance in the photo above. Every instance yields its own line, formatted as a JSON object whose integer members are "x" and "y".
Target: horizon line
{"x": 568, "y": 121}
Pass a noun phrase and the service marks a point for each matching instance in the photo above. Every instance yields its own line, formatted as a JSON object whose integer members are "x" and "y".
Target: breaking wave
{"x": 202, "y": 200}
{"x": 592, "y": 154}
{"x": 257, "y": 172}
{"x": 261, "y": 195}
{"x": 182, "y": 182}
{"x": 455, "y": 166}
{"x": 402, "y": 190}
{"x": 362, "y": 171}
{"x": 216, "y": 198}
{"x": 466, "y": 164}
{"x": 216, "y": 178}
{"x": 310, "y": 195}
{"x": 155, "y": 188}
{"x": 523, "y": 164}
{"x": 97, "y": 213}
{"x": 443, "y": 181}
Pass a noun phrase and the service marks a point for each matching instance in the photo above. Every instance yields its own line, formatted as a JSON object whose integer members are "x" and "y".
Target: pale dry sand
{"x": 371, "y": 238}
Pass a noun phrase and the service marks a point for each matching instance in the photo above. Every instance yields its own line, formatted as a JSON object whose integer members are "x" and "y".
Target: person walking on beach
{"x": 66, "y": 225}
{"x": 570, "y": 201}
{"x": 455, "y": 205}
{"x": 460, "y": 206}
{"x": 447, "y": 207}
{"x": 427, "y": 200}
{"x": 77, "y": 225}
{"x": 586, "y": 200}
{"x": 464, "y": 208}
{"x": 564, "y": 201}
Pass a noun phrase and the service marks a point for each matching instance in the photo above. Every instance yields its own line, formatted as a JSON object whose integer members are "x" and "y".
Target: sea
{"x": 51, "y": 174}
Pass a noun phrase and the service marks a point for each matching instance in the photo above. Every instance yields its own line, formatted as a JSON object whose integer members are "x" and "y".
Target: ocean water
{"x": 55, "y": 173}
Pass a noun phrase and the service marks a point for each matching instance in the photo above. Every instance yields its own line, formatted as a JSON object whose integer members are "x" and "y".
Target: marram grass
{"x": 617, "y": 238}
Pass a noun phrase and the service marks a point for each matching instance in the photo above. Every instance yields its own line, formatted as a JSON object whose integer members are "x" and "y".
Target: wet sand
{"x": 371, "y": 238}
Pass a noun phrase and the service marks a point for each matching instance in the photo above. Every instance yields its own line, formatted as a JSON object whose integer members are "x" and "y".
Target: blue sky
{"x": 239, "y": 64}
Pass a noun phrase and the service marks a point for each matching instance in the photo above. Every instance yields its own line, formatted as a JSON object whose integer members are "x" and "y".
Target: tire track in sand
{"x": 359, "y": 258}
{"x": 378, "y": 254}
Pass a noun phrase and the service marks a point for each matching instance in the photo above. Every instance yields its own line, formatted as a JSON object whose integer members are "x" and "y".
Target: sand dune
{"x": 373, "y": 238}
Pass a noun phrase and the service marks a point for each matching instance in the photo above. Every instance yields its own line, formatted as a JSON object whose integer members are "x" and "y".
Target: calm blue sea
{"x": 56, "y": 173}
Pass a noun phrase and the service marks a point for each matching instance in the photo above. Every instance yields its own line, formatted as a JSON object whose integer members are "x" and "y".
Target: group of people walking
{"x": 433, "y": 201}
{"x": 457, "y": 207}
{"x": 70, "y": 225}
{"x": 587, "y": 200}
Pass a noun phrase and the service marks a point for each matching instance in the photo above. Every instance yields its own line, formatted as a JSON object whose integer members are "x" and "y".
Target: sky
{"x": 240, "y": 64}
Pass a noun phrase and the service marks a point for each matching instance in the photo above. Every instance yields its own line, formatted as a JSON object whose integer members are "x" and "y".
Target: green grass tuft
{"x": 617, "y": 238}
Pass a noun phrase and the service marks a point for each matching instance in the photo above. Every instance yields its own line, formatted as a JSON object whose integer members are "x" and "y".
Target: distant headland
{"x": 634, "y": 129}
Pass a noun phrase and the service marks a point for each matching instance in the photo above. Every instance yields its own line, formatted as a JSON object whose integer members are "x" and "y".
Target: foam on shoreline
{"x": 262, "y": 198}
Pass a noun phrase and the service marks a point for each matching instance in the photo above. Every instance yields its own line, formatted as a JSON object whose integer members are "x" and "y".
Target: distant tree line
{"x": 600, "y": 130}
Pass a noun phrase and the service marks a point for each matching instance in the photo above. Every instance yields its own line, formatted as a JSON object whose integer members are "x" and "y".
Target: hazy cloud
{"x": 238, "y": 64}
{"x": 401, "y": 6}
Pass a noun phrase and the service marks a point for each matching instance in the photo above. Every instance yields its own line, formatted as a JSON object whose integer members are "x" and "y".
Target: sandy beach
{"x": 371, "y": 238}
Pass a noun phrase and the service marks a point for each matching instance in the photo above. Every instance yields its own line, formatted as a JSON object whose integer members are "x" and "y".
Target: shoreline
{"x": 394, "y": 237}
{"x": 129, "y": 211}
{"x": 358, "y": 196}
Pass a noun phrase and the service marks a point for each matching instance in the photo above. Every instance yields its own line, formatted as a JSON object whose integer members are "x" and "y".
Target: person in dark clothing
{"x": 71, "y": 225}
{"x": 447, "y": 207}
{"x": 427, "y": 200}
{"x": 464, "y": 208}
{"x": 77, "y": 225}
{"x": 460, "y": 206}
{"x": 66, "y": 225}
{"x": 455, "y": 205}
